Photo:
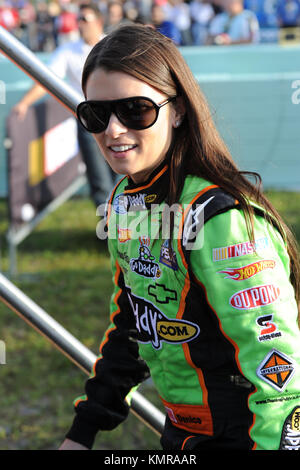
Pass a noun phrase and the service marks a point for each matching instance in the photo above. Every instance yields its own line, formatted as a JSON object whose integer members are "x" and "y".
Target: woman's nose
{"x": 115, "y": 127}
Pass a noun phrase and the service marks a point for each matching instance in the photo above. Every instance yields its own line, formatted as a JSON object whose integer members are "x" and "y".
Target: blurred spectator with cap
{"x": 234, "y": 26}
{"x": 67, "y": 62}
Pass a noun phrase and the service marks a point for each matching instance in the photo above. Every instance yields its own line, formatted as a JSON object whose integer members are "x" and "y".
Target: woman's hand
{"x": 71, "y": 445}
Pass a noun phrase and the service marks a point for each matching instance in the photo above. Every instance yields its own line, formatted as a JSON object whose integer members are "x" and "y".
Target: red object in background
{"x": 67, "y": 22}
{"x": 9, "y": 18}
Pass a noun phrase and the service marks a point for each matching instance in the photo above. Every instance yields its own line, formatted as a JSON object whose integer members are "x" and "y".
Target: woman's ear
{"x": 179, "y": 111}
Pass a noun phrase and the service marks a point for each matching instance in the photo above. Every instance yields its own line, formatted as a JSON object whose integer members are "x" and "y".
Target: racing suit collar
{"x": 154, "y": 189}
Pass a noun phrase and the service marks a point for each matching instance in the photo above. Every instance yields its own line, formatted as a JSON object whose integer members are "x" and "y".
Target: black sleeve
{"x": 117, "y": 370}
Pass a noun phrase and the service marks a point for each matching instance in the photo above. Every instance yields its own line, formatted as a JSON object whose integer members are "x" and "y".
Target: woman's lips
{"x": 121, "y": 150}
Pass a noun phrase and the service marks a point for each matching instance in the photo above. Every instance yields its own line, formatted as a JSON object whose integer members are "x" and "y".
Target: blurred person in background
{"x": 102, "y": 5}
{"x": 115, "y": 16}
{"x": 265, "y": 11}
{"x": 132, "y": 12}
{"x": 288, "y": 13}
{"x": 9, "y": 16}
{"x": 202, "y": 13}
{"x": 234, "y": 26}
{"x": 66, "y": 25}
{"x": 67, "y": 62}
{"x": 217, "y": 6}
{"x": 25, "y": 31}
{"x": 181, "y": 18}
{"x": 45, "y": 28}
{"x": 164, "y": 26}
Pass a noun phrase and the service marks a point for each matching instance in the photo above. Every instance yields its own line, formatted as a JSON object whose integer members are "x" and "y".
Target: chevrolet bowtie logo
{"x": 161, "y": 293}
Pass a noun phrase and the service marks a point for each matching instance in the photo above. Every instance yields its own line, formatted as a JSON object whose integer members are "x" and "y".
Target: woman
{"x": 205, "y": 271}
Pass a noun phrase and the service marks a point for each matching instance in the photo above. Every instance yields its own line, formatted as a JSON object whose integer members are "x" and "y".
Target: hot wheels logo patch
{"x": 254, "y": 297}
{"x": 250, "y": 270}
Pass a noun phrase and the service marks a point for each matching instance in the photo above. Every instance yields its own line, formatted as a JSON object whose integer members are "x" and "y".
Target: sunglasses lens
{"x": 134, "y": 113}
{"x": 137, "y": 113}
{"x": 93, "y": 117}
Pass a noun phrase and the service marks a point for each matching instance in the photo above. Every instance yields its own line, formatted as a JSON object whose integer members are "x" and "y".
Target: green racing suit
{"x": 212, "y": 316}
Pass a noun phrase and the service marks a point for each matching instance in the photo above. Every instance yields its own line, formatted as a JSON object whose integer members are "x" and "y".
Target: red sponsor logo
{"x": 245, "y": 272}
{"x": 191, "y": 418}
{"x": 254, "y": 297}
{"x": 124, "y": 234}
{"x": 269, "y": 330}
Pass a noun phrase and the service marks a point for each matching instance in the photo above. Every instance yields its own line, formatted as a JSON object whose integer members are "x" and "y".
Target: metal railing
{"x": 13, "y": 297}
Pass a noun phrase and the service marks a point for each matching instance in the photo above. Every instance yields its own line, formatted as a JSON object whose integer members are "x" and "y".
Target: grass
{"x": 64, "y": 268}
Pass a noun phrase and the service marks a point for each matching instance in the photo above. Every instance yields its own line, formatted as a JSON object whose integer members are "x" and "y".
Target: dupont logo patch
{"x": 250, "y": 270}
{"x": 290, "y": 437}
{"x": 254, "y": 297}
{"x": 276, "y": 369}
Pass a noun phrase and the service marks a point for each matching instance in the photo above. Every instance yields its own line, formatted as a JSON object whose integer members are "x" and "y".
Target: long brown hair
{"x": 197, "y": 147}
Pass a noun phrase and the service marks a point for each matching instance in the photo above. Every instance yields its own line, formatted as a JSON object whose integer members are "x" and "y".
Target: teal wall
{"x": 249, "y": 89}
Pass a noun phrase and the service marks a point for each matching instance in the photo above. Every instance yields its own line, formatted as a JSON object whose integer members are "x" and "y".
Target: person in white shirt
{"x": 234, "y": 26}
{"x": 67, "y": 61}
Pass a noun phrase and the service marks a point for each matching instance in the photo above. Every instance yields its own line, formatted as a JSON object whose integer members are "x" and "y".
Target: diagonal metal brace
{"x": 44, "y": 324}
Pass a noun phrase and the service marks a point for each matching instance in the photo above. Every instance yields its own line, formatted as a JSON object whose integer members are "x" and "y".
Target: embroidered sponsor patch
{"x": 250, "y": 270}
{"x": 168, "y": 256}
{"x": 276, "y": 369}
{"x": 161, "y": 293}
{"x": 254, "y": 297}
{"x": 150, "y": 198}
{"x": 192, "y": 418}
{"x": 145, "y": 264}
{"x": 125, "y": 202}
{"x": 290, "y": 437}
{"x": 269, "y": 330}
{"x": 240, "y": 249}
{"x": 124, "y": 234}
{"x": 155, "y": 327}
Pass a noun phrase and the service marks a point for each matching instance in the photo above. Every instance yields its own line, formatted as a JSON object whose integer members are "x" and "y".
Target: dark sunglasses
{"x": 136, "y": 113}
{"x": 86, "y": 18}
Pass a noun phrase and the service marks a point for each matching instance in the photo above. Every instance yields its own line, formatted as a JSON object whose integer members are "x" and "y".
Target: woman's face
{"x": 131, "y": 152}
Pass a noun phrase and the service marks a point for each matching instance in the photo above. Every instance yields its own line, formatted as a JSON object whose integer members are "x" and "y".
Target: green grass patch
{"x": 65, "y": 269}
